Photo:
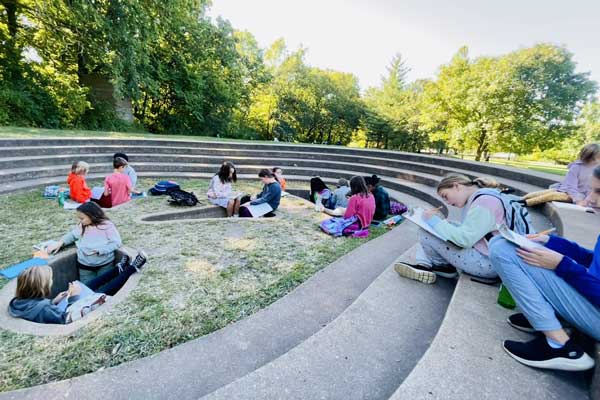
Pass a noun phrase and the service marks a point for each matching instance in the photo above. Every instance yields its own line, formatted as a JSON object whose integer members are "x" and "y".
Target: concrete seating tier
{"x": 351, "y": 331}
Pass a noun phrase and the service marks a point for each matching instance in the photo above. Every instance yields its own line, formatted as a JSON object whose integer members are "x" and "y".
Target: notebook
{"x": 85, "y": 292}
{"x": 517, "y": 239}
{"x": 416, "y": 217}
{"x": 14, "y": 270}
{"x": 259, "y": 210}
{"x": 97, "y": 192}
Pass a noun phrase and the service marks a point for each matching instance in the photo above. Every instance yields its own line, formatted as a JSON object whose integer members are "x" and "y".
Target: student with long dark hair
{"x": 270, "y": 194}
{"x": 220, "y": 189}
{"x": 278, "y": 172}
{"x": 361, "y": 204}
{"x": 96, "y": 238}
{"x": 319, "y": 193}
{"x": 382, "y": 198}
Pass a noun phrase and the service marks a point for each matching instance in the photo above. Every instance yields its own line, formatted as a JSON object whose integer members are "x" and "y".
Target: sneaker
{"x": 139, "y": 261}
{"x": 123, "y": 262}
{"x": 539, "y": 354}
{"x": 520, "y": 322}
{"x": 445, "y": 271}
{"x": 419, "y": 273}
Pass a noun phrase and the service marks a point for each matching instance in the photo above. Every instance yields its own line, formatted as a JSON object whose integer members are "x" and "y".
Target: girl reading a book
{"x": 34, "y": 286}
{"x": 96, "y": 238}
{"x": 468, "y": 247}
{"x": 361, "y": 205}
{"x": 575, "y": 187}
{"x": 562, "y": 279}
{"x": 271, "y": 195}
{"x": 220, "y": 190}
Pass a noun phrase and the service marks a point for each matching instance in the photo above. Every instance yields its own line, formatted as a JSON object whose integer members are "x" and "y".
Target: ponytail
{"x": 449, "y": 180}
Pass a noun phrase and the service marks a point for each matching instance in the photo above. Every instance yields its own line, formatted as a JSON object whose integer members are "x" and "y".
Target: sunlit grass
{"x": 202, "y": 275}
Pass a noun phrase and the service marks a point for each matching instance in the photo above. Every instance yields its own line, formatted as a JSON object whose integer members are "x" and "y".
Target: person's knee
{"x": 502, "y": 253}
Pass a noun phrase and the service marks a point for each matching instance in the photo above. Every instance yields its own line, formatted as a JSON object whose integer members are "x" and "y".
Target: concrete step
{"x": 201, "y": 366}
{"x": 466, "y": 359}
{"x": 364, "y": 354}
{"x": 532, "y": 177}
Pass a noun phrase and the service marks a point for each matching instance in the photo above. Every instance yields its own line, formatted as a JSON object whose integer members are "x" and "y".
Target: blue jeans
{"x": 541, "y": 294}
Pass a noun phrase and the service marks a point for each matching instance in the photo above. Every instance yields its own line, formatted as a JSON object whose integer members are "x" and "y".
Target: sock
{"x": 553, "y": 343}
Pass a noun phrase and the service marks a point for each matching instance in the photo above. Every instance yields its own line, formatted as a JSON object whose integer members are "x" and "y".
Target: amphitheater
{"x": 352, "y": 331}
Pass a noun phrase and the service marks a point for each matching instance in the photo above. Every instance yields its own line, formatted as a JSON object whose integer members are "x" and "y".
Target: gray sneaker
{"x": 417, "y": 272}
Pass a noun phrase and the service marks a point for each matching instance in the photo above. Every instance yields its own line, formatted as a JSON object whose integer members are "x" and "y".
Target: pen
{"x": 547, "y": 231}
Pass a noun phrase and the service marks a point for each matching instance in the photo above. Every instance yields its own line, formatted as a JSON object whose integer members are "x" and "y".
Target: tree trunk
{"x": 481, "y": 145}
{"x": 11, "y": 16}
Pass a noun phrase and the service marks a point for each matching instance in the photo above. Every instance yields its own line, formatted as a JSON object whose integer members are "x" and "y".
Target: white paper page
{"x": 416, "y": 217}
{"x": 97, "y": 192}
{"x": 571, "y": 206}
{"x": 260, "y": 209}
{"x": 517, "y": 239}
{"x": 71, "y": 205}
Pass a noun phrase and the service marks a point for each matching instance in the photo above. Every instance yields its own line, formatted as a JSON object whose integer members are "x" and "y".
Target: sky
{"x": 362, "y": 36}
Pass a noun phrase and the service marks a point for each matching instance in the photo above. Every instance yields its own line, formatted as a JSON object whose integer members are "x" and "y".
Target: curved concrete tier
{"x": 321, "y": 313}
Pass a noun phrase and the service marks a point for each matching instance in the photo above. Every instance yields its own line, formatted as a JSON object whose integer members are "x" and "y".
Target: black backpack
{"x": 182, "y": 198}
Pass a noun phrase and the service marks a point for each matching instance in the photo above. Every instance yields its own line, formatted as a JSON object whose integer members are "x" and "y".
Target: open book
{"x": 259, "y": 210}
{"x": 571, "y": 206}
{"x": 85, "y": 292}
{"x": 517, "y": 239}
{"x": 415, "y": 216}
{"x": 97, "y": 192}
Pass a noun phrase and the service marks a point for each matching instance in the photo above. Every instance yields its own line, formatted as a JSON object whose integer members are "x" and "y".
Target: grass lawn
{"x": 201, "y": 276}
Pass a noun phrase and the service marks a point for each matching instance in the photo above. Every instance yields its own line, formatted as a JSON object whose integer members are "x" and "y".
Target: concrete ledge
{"x": 466, "y": 359}
{"x": 19, "y": 325}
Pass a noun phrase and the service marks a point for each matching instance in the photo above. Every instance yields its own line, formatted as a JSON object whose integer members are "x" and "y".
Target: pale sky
{"x": 361, "y": 37}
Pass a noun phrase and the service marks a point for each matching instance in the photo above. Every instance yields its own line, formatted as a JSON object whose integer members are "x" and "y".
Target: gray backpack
{"x": 515, "y": 213}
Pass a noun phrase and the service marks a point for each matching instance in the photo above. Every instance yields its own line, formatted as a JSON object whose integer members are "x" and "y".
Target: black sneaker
{"x": 445, "y": 271}
{"x": 520, "y": 322}
{"x": 123, "y": 263}
{"x": 419, "y": 273}
{"x": 139, "y": 261}
{"x": 539, "y": 354}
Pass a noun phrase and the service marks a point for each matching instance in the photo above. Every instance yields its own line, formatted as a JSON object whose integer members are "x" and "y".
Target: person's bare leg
{"x": 236, "y": 206}
{"x": 230, "y": 207}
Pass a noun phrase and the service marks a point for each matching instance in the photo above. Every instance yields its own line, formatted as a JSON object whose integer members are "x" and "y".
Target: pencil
{"x": 547, "y": 231}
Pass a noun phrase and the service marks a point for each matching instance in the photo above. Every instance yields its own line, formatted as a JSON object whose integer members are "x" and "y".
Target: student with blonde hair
{"x": 78, "y": 189}
{"x": 467, "y": 251}
{"x": 575, "y": 187}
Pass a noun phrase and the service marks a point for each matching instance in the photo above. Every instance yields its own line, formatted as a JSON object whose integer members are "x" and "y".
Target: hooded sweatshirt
{"x": 79, "y": 191}
{"x": 104, "y": 239}
{"x": 38, "y": 310}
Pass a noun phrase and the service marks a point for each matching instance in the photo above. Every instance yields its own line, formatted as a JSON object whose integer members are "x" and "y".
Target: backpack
{"x": 182, "y": 198}
{"x": 335, "y": 226}
{"x": 164, "y": 187}
{"x": 515, "y": 213}
{"x": 397, "y": 208}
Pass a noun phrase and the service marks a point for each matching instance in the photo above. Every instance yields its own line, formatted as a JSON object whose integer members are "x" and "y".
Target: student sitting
{"x": 270, "y": 194}
{"x": 78, "y": 189}
{"x": 278, "y": 172}
{"x": 562, "y": 279}
{"x": 129, "y": 171}
{"x": 117, "y": 186}
{"x": 382, "y": 198}
{"x": 339, "y": 199}
{"x": 361, "y": 205}
{"x": 96, "y": 239}
{"x": 319, "y": 193}
{"x": 576, "y": 185}
{"x": 220, "y": 189}
{"x": 480, "y": 215}
{"x": 35, "y": 284}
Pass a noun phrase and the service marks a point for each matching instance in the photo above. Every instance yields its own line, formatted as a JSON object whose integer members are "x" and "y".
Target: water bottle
{"x": 61, "y": 197}
{"x": 505, "y": 299}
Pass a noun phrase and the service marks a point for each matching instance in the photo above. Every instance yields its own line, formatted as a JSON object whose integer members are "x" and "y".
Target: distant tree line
{"x": 166, "y": 67}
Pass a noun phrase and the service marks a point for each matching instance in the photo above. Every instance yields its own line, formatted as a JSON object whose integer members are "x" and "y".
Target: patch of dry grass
{"x": 202, "y": 275}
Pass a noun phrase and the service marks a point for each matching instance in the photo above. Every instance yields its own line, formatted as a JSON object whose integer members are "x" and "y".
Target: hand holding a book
{"x": 540, "y": 257}
{"x": 74, "y": 289}
{"x": 59, "y": 297}
{"x": 427, "y": 214}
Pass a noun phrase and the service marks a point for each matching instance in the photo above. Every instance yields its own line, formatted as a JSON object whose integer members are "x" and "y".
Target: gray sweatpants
{"x": 434, "y": 251}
